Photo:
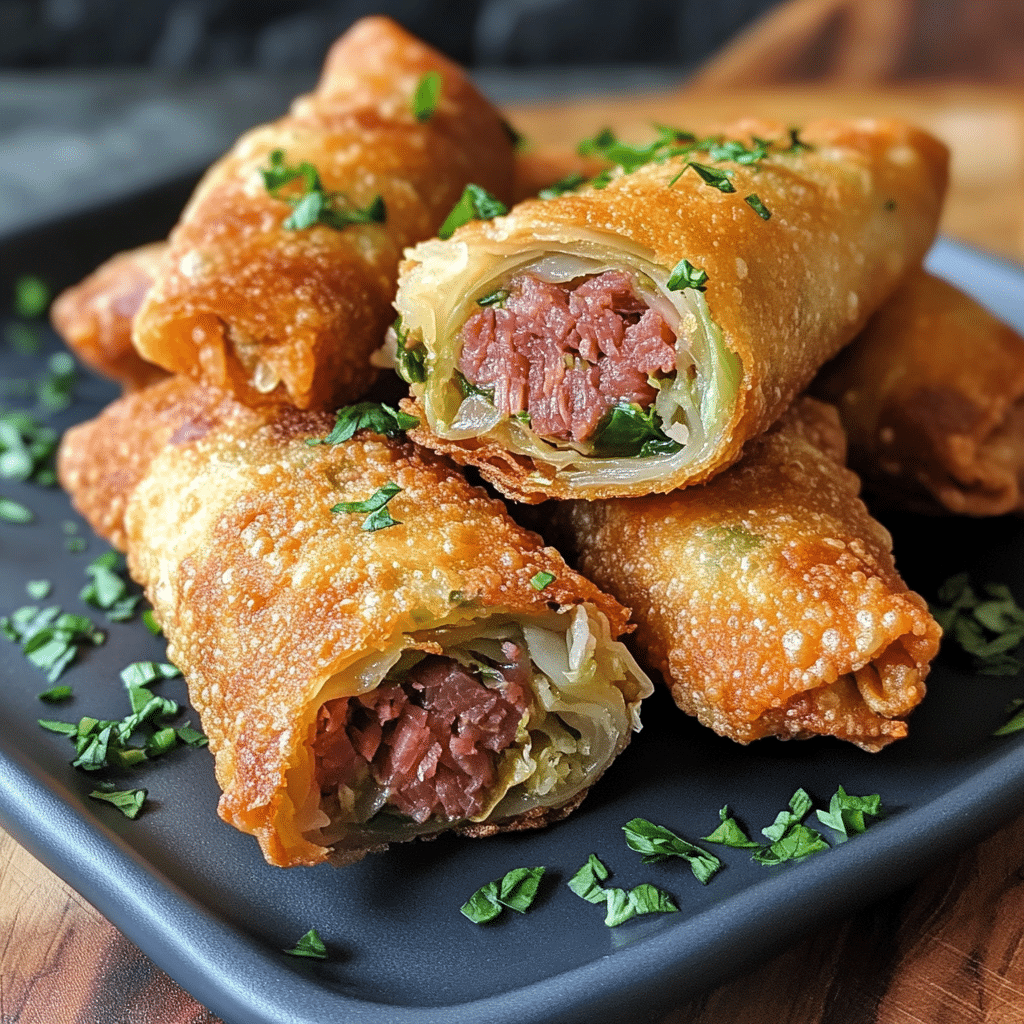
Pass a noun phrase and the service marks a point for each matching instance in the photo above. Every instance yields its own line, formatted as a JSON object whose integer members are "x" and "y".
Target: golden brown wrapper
{"x": 95, "y": 316}
{"x": 768, "y": 598}
{"x": 850, "y": 216}
{"x": 280, "y": 315}
{"x": 274, "y": 605}
{"x": 931, "y": 394}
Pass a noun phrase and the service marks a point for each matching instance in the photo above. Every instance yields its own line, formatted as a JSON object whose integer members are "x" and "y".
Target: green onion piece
{"x": 426, "y": 96}
{"x": 310, "y": 945}
{"x": 541, "y": 580}
{"x": 476, "y": 203}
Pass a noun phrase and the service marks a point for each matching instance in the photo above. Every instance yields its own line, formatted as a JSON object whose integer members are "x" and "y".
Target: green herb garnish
{"x": 791, "y": 840}
{"x": 314, "y": 204}
{"x": 729, "y": 833}
{"x": 380, "y": 517}
{"x": 428, "y": 92}
{"x": 620, "y": 905}
{"x": 657, "y": 843}
{"x": 12, "y": 511}
{"x": 38, "y": 590}
{"x": 495, "y": 298}
{"x": 128, "y": 801}
{"x": 476, "y": 203}
{"x": 375, "y": 416}
{"x": 541, "y": 580}
{"x": 714, "y": 178}
{"x": 628, "y": 430}
{"x": 310, "y": 945}
{"x": 846, "y": 813}
{"x": 686, "y": 275}
{"x": 517, "y": 890}
{"x": 49, "y": 638}
{"x": 31, "y": 296}
{"x": 56, "y": 694}
{"x": 990, "y": 629}
{"x": 56, "y": 389}
{"x": 149, "y": 621}
{"x": 569, "y": 183}
{"x": 410, "y": 362}
{"x": 107, "y": 590}
{"x": 27, "y": 448}
{"x": 758, "y": 207}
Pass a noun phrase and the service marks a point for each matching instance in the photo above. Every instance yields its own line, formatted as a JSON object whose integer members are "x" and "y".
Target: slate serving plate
{"x": 197, "y": 897}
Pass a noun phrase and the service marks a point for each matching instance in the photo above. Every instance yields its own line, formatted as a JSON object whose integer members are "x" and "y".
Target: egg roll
{"x": 95, "y": 316}
{"x": 629, "y": 337}
{"x": 931, "y": 394}
{"x": 281, "y": 270}
{"x": 767, "y": 599}
{"x": 372, "y": 675}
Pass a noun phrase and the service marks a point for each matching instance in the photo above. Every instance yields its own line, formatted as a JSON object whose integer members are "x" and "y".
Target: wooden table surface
{"x": 948, "y": 949}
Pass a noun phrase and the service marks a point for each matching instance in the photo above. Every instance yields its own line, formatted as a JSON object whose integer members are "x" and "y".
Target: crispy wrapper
{"x": 95, "y": 316}
{"x": 849, "y": 217}
{"x": 292, "y": 316}
{"x": 285, "y": 617}
{"x": 931, "y": 394}
{"x": 768, "y": 598}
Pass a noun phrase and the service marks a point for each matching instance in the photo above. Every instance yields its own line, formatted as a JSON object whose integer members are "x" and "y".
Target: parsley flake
{"x": 657, "y": 843}
{"x": 754, "y": 202}
{"x": 989, "y": 629}
{"x": 49, "y": 638}
{"x": 12, "y": 511}
{"x": 107, "y": 590}
{"x": 56, "y": 694}
{"x": 31, "y": 296}
{"x": 730, "y": 833}
{"x": 310, "y": 945}
{"x": 620, "y": 905}
{"x": 476, "y": 203}
{"x": 517, "y": 890}
{"x": 27, "y": 448}
{"x": 569, "y": 183}
{"x": 627, "y": 430}
{"x": 379, "y": 517}
{"x": 375, "y": 416}
{"x": 712, "y": 177}
{"x": 426, "y": 96}
{"x": 846, "y": 813}
{"x": 542, "y": 579}
{"x": 128, "y": 801}
{"x": 686, "y": 275}
{"x": 410, "y": 361}
{"x": 791, "y": 840}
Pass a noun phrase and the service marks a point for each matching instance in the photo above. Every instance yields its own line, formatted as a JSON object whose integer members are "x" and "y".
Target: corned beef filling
{"x": 567, "y": 353}
{"x": 432, "y": 740}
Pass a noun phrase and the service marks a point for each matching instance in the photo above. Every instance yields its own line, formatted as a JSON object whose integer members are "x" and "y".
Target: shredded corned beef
{"x": 567, "y": 353}
{"x": 432, "y": 741}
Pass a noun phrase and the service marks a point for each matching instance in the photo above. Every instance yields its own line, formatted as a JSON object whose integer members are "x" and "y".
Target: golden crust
{"x": 94, "y": 317}
{"x": 931, "y": 394}
{"x": 850, "y": 218}
{"x": 240, "y": 295}
{"x": 265, "y": 594}
{"x": 768, "y": 598}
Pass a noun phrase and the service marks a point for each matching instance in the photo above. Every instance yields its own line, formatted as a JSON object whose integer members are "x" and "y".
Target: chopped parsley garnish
{"x": 541, "y": 580}
{"x": 31, "y": 296}
{"x": 620, "y": 905}
{"x": 628, "y": 430}
{"x": 495, "y": 298}
{"x": 657, "y": 843}
{"x": 686, "y": 275}
{"x": 38, "y": 590}
{"x": 517, "y": 890}
{"x": 428, "y": 92}
{"x": 790, "y": 839}
{"x": 410, "y": 363}
{"x": 149, "y": 621}
{"x": 754, "y": 202}
{"x": 311, "y": 203}
{"x": 375, "y": 416}
{"x": 56, "y": 389}
{"x": 990, "y": 629}
{"x": 845, "y": 813}
{"x": 128, "y": 801}
{"x": 730, "y": 833}
{"x": 796, "y": 143}
{"x": 107, "y": 590}
{"x": 379, "y": 517}
{"x": 890, "y": 205}
{"x": 12, "y": 511}
{"x": 716, "y": 179}
{"x": 49, "y": 638}
{"x": 515, "y": 137}
{"x": 56, "y": 694}
{"x": 476, "y": 203}
{"x": 569, "y": 183}
{"x": 310, "y": 945}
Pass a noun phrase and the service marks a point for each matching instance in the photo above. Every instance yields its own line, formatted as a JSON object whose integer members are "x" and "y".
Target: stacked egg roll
{"x": 364, "y": 676}
{"x": 767, "y": 598}
{"x": 931, "y": 394}
{"x": 630, "y": 337}
{"x": 280, "y": 274}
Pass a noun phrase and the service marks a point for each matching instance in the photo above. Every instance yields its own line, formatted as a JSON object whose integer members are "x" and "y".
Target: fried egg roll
{"x": 95, "y": 316}
{"x": 630, "y": 337}
{"x": 376, "y": 650}
{"x": 768, "y": 598}
{"x": 283, "y": 265}
{"x": 931, "y": 394}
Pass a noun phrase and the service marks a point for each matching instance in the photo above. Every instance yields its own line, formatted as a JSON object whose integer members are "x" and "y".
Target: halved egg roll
{"x": 376, "y": 650}
{"x": 630, "y": 337}
{"x": 283, "y": 265}
{"x": 95, "y": 316}
{"x": 931, "y": 394}
{"x": 768, "y": 598}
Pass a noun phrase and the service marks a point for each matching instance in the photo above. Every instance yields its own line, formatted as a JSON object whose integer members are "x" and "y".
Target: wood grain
{"x": 948, "y": 949}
